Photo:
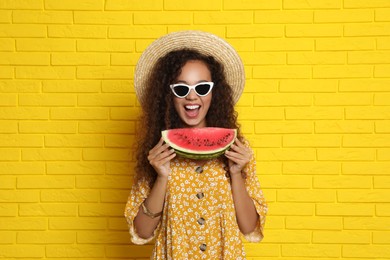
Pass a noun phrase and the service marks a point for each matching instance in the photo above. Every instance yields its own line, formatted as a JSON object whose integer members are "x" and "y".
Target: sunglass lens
{"x": 181, "y": 90}
{"x": 202, "y": 89}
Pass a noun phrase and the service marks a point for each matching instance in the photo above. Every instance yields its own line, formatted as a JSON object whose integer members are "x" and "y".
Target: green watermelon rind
{"x": 198, "y": 155}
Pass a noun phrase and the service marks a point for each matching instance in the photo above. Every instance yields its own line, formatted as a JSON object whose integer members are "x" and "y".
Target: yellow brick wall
{"x": 316, "y": 109}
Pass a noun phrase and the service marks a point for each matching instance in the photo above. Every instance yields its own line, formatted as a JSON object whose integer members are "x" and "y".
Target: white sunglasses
{"x": 182, "y": 90}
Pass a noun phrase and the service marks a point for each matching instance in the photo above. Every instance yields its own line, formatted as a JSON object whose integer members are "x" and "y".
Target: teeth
{"x": 192, "y": 107}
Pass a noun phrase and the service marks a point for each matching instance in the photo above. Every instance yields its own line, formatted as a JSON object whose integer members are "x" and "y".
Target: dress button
{"x": 203, "y": 247}
{"x": 199, "y": 169}
{"x": 200, "y": 195}
{"x": 201, "y": 221}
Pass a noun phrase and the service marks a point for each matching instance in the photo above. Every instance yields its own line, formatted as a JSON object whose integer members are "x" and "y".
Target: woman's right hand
{"x": 160, "y": 156}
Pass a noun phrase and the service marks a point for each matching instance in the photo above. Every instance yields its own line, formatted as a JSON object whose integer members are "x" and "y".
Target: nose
{"x": 192, "y": 95}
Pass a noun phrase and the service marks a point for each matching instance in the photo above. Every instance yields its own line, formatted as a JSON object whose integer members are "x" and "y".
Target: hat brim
{"x": 206, "y": 43}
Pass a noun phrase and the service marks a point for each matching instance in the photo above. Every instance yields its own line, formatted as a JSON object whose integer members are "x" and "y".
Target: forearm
{"x": 246, "y": 214}
{"x": 144, "y": 224}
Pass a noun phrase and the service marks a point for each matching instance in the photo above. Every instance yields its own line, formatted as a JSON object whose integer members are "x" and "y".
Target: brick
{"x": 7, "y": 73}
{"x": 314, "y": 113}
{"x": 383, "y": 43}
{"x": 7, "y": 44}
{"x": 287, "y": 236}
{"x": 43, "y": 17}
{"x": 341, "y": 71}
{"x": 291, "y": 209}
{"x": 128, "y": 59}
{"x": 8, "y": 210}
{"x": 24, "y": 59}
{"x": 258, "y": 58}
{"x": 5, "y": 16}
{"x": 383, "y": 154}
{"x": 262, "y": 250}
{"x": 20, "y": 140}
{"x": 77, "y": 31}
{"x": 7, "y": 237}
{"x": 125, "y": 113}
{"x": 259, "y": 113}
{"x": 289, "y": 154}
{"x": 345, "y": 209}
{"x": 250, "y": 5}
{"x": 51, "y": 154}
{"x": 283, "y": 16}
{"x": 265, "y": 141}
{"x": 381, "y": 99}
{"x": 79, "y": 113}
{"x": 365, "y": 4}
{"x": 253, "y": 31}
{"x": 102, "y": 237}
{"x": 345, "y": 154}
{"x": 126, "y": 250}
{"x": 74, "y": 5}
{"x": 366, "y": 223}
{"x": 105, "y": 45}
{"x": 311, "y": 168}
{"x": 341, "y": 237}
{"x": 71, "y": 195}
{"x": 75, "y": 168}
{"x": 45, "y": 182}
{"x": 311, "y": 250}
{"x": 375, "y": 57}
{"x": 134, "y": 5}
{"x": 375, "y": 29}
{"x": 8, "y": 127}
{"x": 102, "y": 182}
{"x": 7, "y": 182}
{"x": 311, "y": 4}
{"x": 94, "y": 154}
{"x": 368, "y": 251}
{"x": 77, "y": 223}
{"x": 101, "y": 210}
{"x": 119, "y": 141}
{"x": 282, "y": 72}
{"x": 381, "y": 182}
{"x": 79, "y": 59}
{"x": 117, "y": 224}
{"x": 345, "y": 44}
{"x": 202, "y": 5}
{"x": 380, "y": 237}
{"x": 316, "y": 58}
{"x": 106, "y": 17}
{"x": 162, "y": 18}
{"x": 342, "y": 99}
{"x": 79, "y": 140}
{"x": 362, "y": 85}
{"x": 308, "y": 140}
{"x": 357, "y": 196}
{"x": 44, "y": 72}
{"x": 374, "y": 168}
{"x": 227, "y": 17}
{"x": 19, "y": 196}
{"x": 308, "y": 85}
{"x": 342, "y": 182}
{"x": 22, "y": 30}
{"x": 9, "y": 154}
{"x": 51, "y": 127}
{"x": 71, "y": 86}
{"x": 269, "y": 168}
{"x": 105, "y": 72}
{"x": 343, "y": 16}
{"x": 22, "y": 251}
{"x": 242, "y": 45}
{"x": 50, "y": 100}
{"x": 8, "y": 100}
{"x": 383, "y": 209}
{"x": 49, "y": 210}
{"x": 289, "y": 44}
{"x": 114, "y": 196}
{"x": 345, "y": 126}
{"x": 367, "y": 113}
{"x": 382, "y": 15}
{"x": 25, "y": 223}
{"x": 314, "y": 30}
{"x": 74, "y": 251}
{"x": 22, "y": 168}
{"x": 306, "y": 195}
{"x": 282, "y": 127}
{"x": 102, "y": 100}
{"x": 46, "y": 237}
{"x": 314, "y": 223}
{"x": 261, "y": 86}
{"x": 282, "y": 99}
{"x": 381, "y": 71}
{"x": 21, "y": 4}
{"x": 48, "y": 45}
{"x": 135, "y": 32}
{"x": 285, "y": 182}
{"x": 107, "y": 127}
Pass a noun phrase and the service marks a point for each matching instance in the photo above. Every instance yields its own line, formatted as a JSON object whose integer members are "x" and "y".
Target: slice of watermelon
{"x": 200, "y": 143}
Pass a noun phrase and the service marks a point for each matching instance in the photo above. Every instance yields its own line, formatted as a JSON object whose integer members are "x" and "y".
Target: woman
{"x": 194, "y": 209}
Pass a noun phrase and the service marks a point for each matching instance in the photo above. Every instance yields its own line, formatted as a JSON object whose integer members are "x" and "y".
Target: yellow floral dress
{"x": 199, "y": 219}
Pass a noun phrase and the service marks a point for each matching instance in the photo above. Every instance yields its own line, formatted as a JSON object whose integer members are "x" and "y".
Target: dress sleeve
{"x": 254, "y": 190}
{"x": 139, "y": 192}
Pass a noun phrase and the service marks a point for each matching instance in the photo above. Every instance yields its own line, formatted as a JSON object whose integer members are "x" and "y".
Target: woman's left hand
{"x": 239, "y": 156}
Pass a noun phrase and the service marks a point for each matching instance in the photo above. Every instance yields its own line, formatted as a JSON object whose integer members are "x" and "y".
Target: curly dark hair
{"x": 159, "y": 112}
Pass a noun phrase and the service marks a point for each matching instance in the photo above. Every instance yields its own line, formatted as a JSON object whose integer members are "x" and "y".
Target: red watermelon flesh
{"x": 200, "y": 143}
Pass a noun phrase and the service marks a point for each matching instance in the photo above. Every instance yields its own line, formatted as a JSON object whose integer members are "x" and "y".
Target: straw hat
{"x": 205, "y": 43}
